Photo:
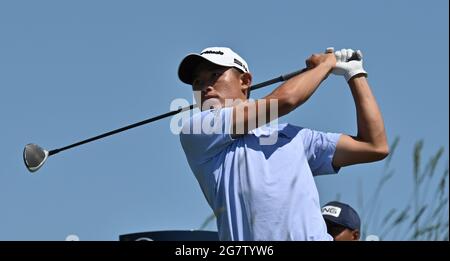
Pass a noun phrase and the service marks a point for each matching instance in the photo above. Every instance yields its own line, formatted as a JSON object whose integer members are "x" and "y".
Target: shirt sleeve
{"x": 206, "y": 134}
{"x": 319, "y": 149}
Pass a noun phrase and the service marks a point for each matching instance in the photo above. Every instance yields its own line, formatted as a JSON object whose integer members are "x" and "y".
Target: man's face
{"x": 217, "y": 82}
{"x": 347, "y": 235}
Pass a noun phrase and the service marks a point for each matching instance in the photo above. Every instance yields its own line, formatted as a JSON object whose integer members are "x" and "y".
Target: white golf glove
{"x": 346, "y": 67}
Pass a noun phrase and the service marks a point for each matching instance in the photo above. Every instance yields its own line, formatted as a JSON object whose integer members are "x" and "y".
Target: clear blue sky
{"x": 70, "y": 70}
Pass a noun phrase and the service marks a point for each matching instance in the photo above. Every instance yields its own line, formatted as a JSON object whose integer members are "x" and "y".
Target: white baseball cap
{"x": 223, "y": 56}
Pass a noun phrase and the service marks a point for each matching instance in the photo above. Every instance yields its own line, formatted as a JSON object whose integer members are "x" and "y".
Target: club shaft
{"x": 281, "y": 78}
{"x": 131, "y": 126}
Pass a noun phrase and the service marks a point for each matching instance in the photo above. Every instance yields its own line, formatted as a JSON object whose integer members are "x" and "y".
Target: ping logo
{"x": 331, "y": 211}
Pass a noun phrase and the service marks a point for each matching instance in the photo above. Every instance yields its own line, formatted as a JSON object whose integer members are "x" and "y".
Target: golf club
{"x": 34, "y": 156}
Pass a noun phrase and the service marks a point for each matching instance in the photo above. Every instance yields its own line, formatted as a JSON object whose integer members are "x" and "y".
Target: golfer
{"x": 258, "y": 176}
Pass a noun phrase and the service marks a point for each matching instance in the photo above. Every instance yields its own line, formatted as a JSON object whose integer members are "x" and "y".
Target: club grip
{"x": 355, "y": 57}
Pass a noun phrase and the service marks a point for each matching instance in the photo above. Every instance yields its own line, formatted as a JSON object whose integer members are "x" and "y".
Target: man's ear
{"x": 355, "y": 234}
{"x": 246, "y": 82}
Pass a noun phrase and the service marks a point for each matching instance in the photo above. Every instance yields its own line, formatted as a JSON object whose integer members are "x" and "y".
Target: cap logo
{"x": 331, "y": 211}
{"x": 236, "y": 61}
{"x": 211, "y": 52}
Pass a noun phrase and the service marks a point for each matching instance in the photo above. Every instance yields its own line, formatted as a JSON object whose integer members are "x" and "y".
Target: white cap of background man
{"x": 222, "y": 56}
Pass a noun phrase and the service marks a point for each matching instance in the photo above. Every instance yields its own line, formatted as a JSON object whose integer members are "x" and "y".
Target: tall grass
{"x": 424, "y": 214}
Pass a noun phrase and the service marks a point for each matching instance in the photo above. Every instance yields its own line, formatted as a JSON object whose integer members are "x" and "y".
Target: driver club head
{"x": 34, "y": 157}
